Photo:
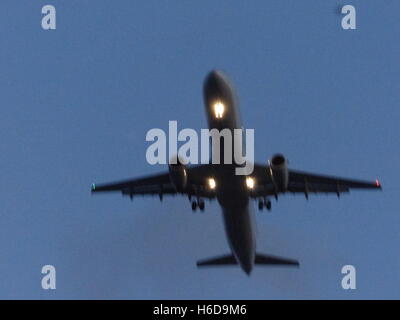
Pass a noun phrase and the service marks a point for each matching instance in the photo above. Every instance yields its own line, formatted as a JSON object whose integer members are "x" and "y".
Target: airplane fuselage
{"x": 232, "y": 193}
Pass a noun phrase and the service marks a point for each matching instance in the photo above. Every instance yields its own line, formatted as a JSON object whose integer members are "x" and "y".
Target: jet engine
{"x": 178, "y": 174}
{"x": 279, "y": 172}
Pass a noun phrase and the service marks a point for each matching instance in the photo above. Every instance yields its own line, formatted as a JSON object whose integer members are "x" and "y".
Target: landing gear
{"x": 264, "y": 203}
{"x": 199, "y": 203}
{"x": 260, "y": 205}
{"x": 268, "y": 204}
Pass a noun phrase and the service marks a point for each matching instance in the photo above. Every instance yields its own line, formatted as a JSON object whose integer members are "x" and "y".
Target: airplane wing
{"x": 304, "y": 182}
{"x": 160, "y": 184}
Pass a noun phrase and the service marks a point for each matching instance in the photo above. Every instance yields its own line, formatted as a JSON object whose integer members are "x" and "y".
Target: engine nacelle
{"x": 279, "y": 172}
{"x": 178, "y": 175}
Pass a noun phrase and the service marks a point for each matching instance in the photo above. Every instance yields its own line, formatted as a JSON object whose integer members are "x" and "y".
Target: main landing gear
{"x": 199, "y": 203}
{"x": 264, "y": 203}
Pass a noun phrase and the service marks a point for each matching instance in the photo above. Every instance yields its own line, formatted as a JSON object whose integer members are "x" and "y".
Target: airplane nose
{"x": 215, "y": 73}
{"x": 212, "y": 78}
{"x": 215, "y": 83}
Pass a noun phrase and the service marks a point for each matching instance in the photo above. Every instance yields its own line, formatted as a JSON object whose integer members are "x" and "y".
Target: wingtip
{"x": 378, "y": 184}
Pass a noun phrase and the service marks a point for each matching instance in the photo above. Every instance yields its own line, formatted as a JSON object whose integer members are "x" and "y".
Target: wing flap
{"x": 299, "y": 177}
{"x": 305, "y": 182}
{"x": 161, "y": 184}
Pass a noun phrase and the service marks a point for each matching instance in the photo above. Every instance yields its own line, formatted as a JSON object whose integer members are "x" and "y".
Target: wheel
{"x": 194, "y": 205}
{"x": 260, "y": 205}
{"x": 201, "y": 204}
{"x": 268, "y": 205}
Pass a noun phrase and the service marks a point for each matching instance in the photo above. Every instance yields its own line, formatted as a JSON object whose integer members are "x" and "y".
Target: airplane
{"x": 234, "y": 192}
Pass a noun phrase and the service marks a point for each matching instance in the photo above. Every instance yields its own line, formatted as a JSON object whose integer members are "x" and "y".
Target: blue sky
{"x": 76, "y": 104}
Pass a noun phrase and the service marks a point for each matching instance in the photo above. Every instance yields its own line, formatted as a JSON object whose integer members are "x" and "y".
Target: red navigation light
{"x": 377, "y": 183}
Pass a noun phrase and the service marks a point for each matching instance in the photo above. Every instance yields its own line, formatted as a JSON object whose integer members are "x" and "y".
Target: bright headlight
{"x": 211, "y": 183}
{"x": 219, "y": 109}
{"x": 250, "y": 182}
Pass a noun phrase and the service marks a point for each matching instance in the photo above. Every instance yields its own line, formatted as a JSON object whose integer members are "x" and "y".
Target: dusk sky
{"x": 77, "y": 102}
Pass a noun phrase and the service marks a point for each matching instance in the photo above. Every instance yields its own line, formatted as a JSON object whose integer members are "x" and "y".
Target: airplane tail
{"x": 260, "y": 259}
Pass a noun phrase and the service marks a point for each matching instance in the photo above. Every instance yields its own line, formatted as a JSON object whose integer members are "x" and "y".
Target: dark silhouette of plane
{"x": 233, "y": 192}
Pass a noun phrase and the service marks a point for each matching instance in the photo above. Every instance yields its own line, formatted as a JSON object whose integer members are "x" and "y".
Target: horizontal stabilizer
{"x": 218, "y": 261}
{"x": 272, "y": 260}
{"x": 260, "y": 259}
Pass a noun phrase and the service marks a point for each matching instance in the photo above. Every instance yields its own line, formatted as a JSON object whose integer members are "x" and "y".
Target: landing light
{"x": 250, "y": 182}
{"x": 211, "y": 183}
{"x": 219, "y": 109}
